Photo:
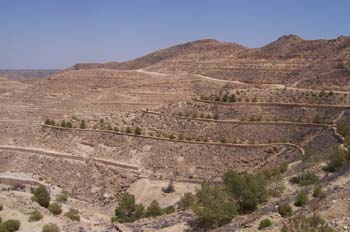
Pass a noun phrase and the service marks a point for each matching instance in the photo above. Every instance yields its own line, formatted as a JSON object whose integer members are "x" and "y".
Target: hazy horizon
{"x": 42, "y": 34}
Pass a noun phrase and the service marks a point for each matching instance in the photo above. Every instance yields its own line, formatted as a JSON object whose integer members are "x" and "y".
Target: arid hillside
{"x": 290, "y": 60}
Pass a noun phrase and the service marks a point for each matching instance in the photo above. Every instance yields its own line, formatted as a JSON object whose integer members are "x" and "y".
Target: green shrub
{"x": 153, "y": 210}
{"x": 264, "y": 223}
{"x": 62, "y": 197}
{"x": 35, "y": 216}
{"x": 305, "y": 178}
{"x": 301, "y": 199}
{"x": 63, "y": 123}
{"x": 186, "y": 201}
{"x": 42, "y": 196}
{"x": 1, "y": 207}
{"x": 50, "y": 228}
{"x": 73, "y": 215}
{"x": 285, "y": 210}
{"x": 138, "y": 131}
{"x": 55, "y": 209}
{"x": 336, "y": 161}
{"x": 10, "y": 226}
{"x": 47, "y": 122}
{"x": 215, "y": 206}
{"x": 128, "y": 130}
{"x": 69, "y": 125}
{"x": 249, "y": 190}
{"x": 82, "y": 125}
{"x": 127, "y": 210}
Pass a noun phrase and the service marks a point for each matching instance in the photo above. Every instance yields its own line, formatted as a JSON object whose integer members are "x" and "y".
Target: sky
{"x": 55, "y": 34}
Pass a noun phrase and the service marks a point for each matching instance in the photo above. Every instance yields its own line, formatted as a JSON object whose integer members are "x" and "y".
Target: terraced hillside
{"x": 183, "y": 115}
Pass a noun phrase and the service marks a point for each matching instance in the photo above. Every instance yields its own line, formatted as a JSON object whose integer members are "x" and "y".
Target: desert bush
{"x": 264, "y": 223}
{"x": 138, "y": 131}
{"x": 42, "y": 196}
{"x": 63, "y": 123}
{"x": 305, "y": 178}
{"x": 62, "y": 197}
{"x": 171, "y": 136}
{"x": 186, "y": 201}
{"x": 216, "y": 116}
{"x": 249, "y": 190}
{"x": 153, "y": 210}
{"x": 1, "y": 207}
{"x": 128, "y": 130}
{"x": 73, "y": 215}
{"x": 69, "y": 125}
{"x": 301, "y": 223}
{"x": 55, "y": 208}
{"x": 10, "y": 226}
{"x": 127, "y": 210}
{"x": 169, "y": 189}
{"x": 336, "y": 161}
{"x": 214, "y": 206}
{"x": 301, "y": 199}
{"x": 285, "y": 210}
{"x": 50, "y": 228}
{"x": 82, "y": 125}
{"x": 35, "y": 216}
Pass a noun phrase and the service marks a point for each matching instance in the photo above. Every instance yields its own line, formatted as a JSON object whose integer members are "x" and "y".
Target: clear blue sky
{"x": 59, "y": 33}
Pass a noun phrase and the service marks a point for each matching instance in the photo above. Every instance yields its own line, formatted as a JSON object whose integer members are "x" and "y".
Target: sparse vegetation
{"x": 301, "y": 223}
{"x": 35, "y": 216}
{"x": 285, "y": 210}
{"x": 301, "y": 199}
{"x": 55, "y": 208}
{"x": 264, "y": 224}
{"x": 42, "y": 196}
{"x": 50, "y": 228}
{"x": 73, "y": 215}
{"x": 305, "y": 178}
{"x": 10, "y": 226}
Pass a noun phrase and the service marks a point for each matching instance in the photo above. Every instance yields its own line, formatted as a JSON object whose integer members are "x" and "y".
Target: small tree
{"x": 42, "y": 196}
{"x": 127, "y": 210}
{"x": 153, "y": 210}
{"x": 138, "y": 131}
{"x": 63, "y": 123}
{"x": 82, "y": 125}
{"x": 69, "y": 125}
{"x": 186, "y": 201}
{"x": 214, "y": 207}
